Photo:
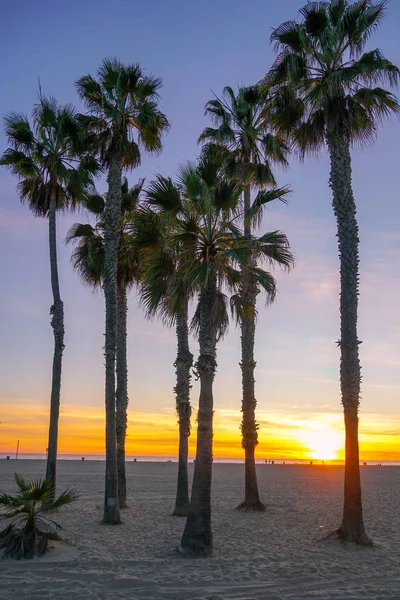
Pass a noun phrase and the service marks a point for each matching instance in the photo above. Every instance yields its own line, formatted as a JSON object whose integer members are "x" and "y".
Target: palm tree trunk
{"x": 57, "y": 323}
{"x": 122, "y": 390}
{"x": 112, "y": 216}
{"x": 197, "y": 536}
{"x": 352, "y": 527}
{"x": 183, "y": 364}
{"x": 249, "y": 425}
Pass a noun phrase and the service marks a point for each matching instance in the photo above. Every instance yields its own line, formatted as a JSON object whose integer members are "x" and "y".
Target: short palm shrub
{"x": 30, "y": 528}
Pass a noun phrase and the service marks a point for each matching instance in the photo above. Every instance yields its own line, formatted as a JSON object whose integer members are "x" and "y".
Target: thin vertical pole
{"x": 16, "y": 454}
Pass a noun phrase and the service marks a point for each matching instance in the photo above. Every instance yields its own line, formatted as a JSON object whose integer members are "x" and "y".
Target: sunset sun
{"x": 323, "y": 445}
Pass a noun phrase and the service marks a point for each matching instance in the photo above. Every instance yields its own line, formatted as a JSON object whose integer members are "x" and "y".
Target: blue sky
{"x": 196, "y": 48}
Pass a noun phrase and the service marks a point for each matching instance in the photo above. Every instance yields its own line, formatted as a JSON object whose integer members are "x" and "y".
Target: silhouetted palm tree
{"x": 164, "y": 292}
{"x": 88, "y": 260}
{"x": 248, "y": 146}
{"x": 125, "y": 118}
{"x": 211, "y": 251}
{"x": 54, "y": 172}
{"x": 327, "y": 90}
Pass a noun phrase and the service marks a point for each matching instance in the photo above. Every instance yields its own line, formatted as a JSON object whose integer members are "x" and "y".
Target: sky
{"x": 197, "y": 49}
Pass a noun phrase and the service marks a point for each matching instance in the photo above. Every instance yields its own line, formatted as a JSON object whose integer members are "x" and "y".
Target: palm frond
{"x": 18, "y": 131}
{"x": 240, "y": 309}
{"x": 288, "y": 35}
{"x": 266, "y": 281}
{"x": 163, "y": 194}
{"x": 69, "y": 495}
{"x": 80, "y": 230}
{"x": 28, "y": 533}
{"x": 320, "y": 68}
{"x": 274, "y": 247}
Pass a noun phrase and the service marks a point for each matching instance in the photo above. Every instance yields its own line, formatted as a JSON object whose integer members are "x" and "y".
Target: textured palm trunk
{"x": 57, "y": 323}
{"x": 249, "y": 425}
{"x": 183, "y": 364}
{"x": 112, "y": 216}
{"x": 197, "y": 536}
{"x": 352, "y": 527}
{"x": 122, "y": 400}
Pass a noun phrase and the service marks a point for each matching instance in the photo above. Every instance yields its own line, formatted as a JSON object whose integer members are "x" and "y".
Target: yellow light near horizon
{"x": 323, "y": 445}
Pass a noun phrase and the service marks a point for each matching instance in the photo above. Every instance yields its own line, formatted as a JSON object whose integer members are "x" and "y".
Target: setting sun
{"x": 323, "y": 445}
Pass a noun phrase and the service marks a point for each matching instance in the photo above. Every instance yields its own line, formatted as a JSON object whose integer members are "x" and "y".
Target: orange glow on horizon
{"x": 81, "y": 431}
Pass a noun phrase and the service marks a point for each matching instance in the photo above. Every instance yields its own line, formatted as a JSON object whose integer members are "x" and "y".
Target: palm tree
{"x": 125, "y": 118}
{"x": 88, "y": 260}
{"x": 211, "y": 248}
{"x": 54, "y": 172}
{"x": 31, "y": 528}
{"x": 164, "y": 292}
{"x": 245, "y": 136}
{"x": 327, "y": 89}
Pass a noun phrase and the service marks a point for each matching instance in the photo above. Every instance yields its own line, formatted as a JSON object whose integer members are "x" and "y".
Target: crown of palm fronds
{"x": 49, "y": 156}
{"x": 124, "y": 111}
{"x": 246, "y": 142}
{"x": 188, "y": 233}
{"x": 323, "y": 80}
{"x": 244, "y": 135}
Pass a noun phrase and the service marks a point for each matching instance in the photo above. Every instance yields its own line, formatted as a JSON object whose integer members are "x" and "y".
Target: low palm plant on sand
{"x": 29, "y": 510}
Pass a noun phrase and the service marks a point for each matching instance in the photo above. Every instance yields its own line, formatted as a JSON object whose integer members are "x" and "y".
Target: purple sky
{"x": 196, "y": 48}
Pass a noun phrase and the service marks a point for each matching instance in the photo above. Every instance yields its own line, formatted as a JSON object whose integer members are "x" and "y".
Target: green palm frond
{"x": 30, "y": 529}
{"x": 94, "y": 203}
{"x": 130, "y": 196}
{"x": 266, "y": 281}
{"x": 49, "y": 157}
{"x": 126, "y": 115}
{"x": 80, "y": 230}
{"x": 67, "y": 496}
{"x": 192, "y": 238}
{"x": 88, "y": 254}
{"x": 323, "y": 79}
{"x": 245, "y": 135}
{"x": 226, "y": 195}
{"x": 163, "y": 194}
{"x": 274, "y": 247}
{"x": 377, "y": 102}
{"x": 264, "y": 197}
{"x": 240, "y": 309}
{"x": 148, "y": 229}
{"x": 19, "y": 163}
{"x": 19, "y": 132}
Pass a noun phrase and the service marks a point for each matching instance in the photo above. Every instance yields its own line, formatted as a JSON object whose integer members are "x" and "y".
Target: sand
{"x": 278, "y": 554}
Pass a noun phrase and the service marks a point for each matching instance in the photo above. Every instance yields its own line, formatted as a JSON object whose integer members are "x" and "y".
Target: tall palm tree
{"x": 327, "y": 90}
{"x": 166, "y": 295}
{"x": 245, "y": 136}
{"x": 125, "y": 118}
{"x": 88, "y": 260}
{"x": 54, "y": 173}
{"x": 211, "y": 248}
{"x": 164, "y": 292}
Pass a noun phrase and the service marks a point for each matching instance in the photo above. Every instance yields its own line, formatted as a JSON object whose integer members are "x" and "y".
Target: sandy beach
{"x": 278, "y": 554}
